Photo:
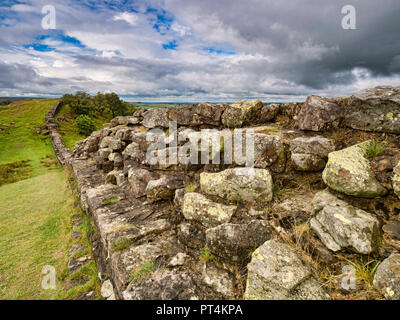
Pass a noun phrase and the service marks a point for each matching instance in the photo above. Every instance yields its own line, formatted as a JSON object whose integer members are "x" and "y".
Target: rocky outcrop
{"x": 277, "y": 273}
{"x": 310, "y": 154}
{"x": 387, "y": 277}
{"x": 210, "y": 214}
{"x": 164, "y": 188}
{"x": 340, "y": 225}
{"x": 319, "y": 114}
{"x": 376, "y": 109}
{"x": 349, "y": 171}
{"x": 245, "y": 185}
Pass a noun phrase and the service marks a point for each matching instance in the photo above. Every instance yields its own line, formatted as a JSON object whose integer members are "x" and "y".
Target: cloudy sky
{"x": 198, "y": 50}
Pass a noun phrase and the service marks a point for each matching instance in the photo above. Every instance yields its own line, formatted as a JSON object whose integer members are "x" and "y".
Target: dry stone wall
{"x": 187, "y": 227}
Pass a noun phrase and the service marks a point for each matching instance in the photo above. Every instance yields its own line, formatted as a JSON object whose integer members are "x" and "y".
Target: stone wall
{"x": 181, "y": 230}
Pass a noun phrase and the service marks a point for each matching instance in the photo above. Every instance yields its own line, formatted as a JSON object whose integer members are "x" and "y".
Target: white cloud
{"x": 130, "y": 18}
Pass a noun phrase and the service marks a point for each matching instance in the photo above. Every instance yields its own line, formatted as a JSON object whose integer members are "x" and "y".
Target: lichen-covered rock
{"x": 191, "y": 235}
{"x": 155, "y": 117}
{"x": 124, "y": 120}
{"x": 309, "y": 154}
{"x": 138, "y": 180}
{"x": 163, "y": 284}
{"x": 246, "y": 185}
{"x": 220, "y": 280}
{"x": 116, "y": 177}
{"x": 112, "y": 143}
{"x": 319, "y": 114}
{"x": 277, "y": 273}
{"x": 376, "y": 109}
{"x": 396, "y": 180}
{"x": 235, "y": 242}
{"x": 209, "y": 213}
{"x": 269, "y": 112}
{"x": 340, "y": 225}
{"x": 164, "y": 188}
{"x": 242, "y": 112}
{"x": 206, "y": 113}
{"x": 269, "y": 150}
{"x": 387, "y": 277}
{"x": 182, "y": 115}
{"x": 349, "y": 171}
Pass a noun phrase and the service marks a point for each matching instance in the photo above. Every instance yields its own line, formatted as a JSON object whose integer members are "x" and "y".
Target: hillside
{"x": 36, "y": 210}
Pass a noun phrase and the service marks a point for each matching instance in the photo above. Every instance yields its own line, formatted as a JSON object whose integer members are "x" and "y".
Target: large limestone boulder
{"x": 310, "y": 153}
{"x": 210, "y": 214}
{"x": 241, "y": 113}
{"x": 396, "y": 180}
{"x": 164, "y": 188}
{"x": 246, "y": 185}
{"x": 376, "y": 109}
{"x": 340, "y": 225}
{"x": 349, "y": 171}
{"x": 387, "y": 277}
{"x": 155, "y": 117}
{"x": 277, "y": 273}
{"x": 319, "y": 114}
{"x": 235, "y": 242}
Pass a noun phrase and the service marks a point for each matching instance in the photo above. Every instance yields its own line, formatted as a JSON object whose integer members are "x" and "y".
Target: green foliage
{"x": 80, "y": 103}
{"x": 85, "y": 124}
{"x": 121, "y": 245}
{"x": 110, "y": 201}
{"x": 206, "y": 254}
{"x": 374, "y": 148}
{"x": 143, "y": 271}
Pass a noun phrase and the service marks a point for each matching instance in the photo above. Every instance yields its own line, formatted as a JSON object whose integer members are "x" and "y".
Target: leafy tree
{"x": 85, "y": 124}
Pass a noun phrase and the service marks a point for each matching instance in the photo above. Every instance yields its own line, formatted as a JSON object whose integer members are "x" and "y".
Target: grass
{"x": 374, "y": 148}
{"x": 21, "y": 142}
{"x": 121, "y": 245}
{"x": 143, "y": 271}
{"x": 13, "y": 172}
{"x": 205, "y": 254}
{"x": 33, "y": 224}
{"x": 365, "y": 270}
{"x": 36, "y": 209}
{"x": 110, "y": 201}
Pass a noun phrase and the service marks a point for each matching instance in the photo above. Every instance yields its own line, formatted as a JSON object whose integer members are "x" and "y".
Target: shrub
{"x": 85, "y": 124}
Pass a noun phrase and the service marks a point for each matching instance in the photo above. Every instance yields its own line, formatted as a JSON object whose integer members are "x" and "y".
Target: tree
{"x": 85, "y": 124}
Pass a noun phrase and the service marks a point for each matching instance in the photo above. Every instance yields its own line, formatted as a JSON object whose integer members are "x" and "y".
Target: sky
{"x": 198, "y": 50}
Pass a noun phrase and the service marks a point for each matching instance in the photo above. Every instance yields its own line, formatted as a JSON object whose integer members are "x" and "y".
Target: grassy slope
{"x": 22, "y": 142}
{"x": 35, "y": 213}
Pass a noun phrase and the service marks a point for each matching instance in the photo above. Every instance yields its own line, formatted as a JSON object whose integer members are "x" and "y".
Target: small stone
{"x": 178, "y": 260}
{"x": 107, "y": 289}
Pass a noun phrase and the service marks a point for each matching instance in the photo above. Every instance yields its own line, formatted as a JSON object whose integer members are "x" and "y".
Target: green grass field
{"x": 36, "y": 209}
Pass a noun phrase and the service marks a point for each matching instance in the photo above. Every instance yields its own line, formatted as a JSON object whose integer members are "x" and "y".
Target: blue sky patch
{"x": 172, "y": 45}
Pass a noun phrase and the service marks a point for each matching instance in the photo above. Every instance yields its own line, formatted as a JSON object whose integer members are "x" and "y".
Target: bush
{"x": 85, "y": 125}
